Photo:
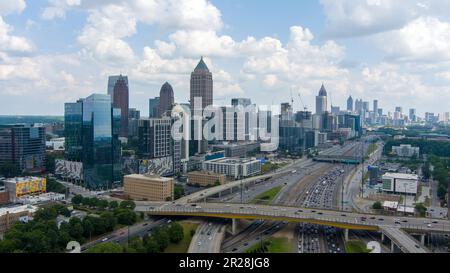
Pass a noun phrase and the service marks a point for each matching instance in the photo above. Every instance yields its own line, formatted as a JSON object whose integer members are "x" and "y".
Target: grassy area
{"x": 372, "y": 148}
{"x": 183, "y": 246}
{"x": 268, "y": 167}
{"x": 355, "y": 246}
{"x": 267, "y": 197}
{"x": 272, "y": 245}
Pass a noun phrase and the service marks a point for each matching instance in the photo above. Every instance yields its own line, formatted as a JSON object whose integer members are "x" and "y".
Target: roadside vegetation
{"x": 43, "y": 235}
{"x": 267, "y": 197}
{"x": 356, "y": 246}
{"x": 161, "y": 239}
{"x": 272, "y": 245}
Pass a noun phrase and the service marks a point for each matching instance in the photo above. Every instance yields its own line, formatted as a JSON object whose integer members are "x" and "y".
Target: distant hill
{"x": 30, "y": 119}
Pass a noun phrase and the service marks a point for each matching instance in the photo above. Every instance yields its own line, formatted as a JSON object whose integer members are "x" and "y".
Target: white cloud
{"x": 104, "y": 32}
{"x": 425, "y": 39}
{"x": 12, "y": 6}
{"x": 10, "y": 43}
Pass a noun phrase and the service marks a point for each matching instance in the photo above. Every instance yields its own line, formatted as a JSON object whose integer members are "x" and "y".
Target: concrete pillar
{"x": 346, "y": 234}
{"x": 220, "y": 194}
{"x": 422, "y": 239}
{"x": 231, "y": 190}
{"x": 392, "y": 247}
{"x": 233, "y": 226}
{"x": 382, "y": 237}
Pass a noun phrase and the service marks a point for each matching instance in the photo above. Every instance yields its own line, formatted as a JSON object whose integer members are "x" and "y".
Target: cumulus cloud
{"x": 11, "y": 43}
{"x": 12, "y": 6}
{"x": 426, "y": 39}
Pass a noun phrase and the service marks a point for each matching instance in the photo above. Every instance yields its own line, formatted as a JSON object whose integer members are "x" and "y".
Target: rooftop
{"x": 229, "y": 160}
{"x": 402, "y": 176}
{"x": 22, "y": 179}
{"x": 149, "y": 177}
{"x": 201, "y": 66}
{"x": 17, "y": 209}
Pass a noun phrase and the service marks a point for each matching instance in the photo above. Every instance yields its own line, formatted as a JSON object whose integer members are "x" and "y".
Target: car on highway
{"x": 104, "y": 239}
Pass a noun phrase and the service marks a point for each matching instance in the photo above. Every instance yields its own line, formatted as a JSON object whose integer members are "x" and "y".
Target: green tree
{"x": 77, "y": 199}
{"x": 377, "y": 206}
{"x": 126, "y": 217}
{"x": 128, "y": 204}
{"x": 176, "y": 233}
{"x": 161, "y": 238}
{"x": 113, "y": 205}
{"x": 178, "y": 191}
{"x": 106, "y": 248}
{"x": 421, "y": 209}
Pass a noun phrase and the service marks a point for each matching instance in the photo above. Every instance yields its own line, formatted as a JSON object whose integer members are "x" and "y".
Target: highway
{"x": 208, "y": 238}
{"x": 392, "y": 226}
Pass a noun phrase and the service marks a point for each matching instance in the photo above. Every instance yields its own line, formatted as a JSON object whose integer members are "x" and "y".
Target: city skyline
{"x": 62, "y": 52}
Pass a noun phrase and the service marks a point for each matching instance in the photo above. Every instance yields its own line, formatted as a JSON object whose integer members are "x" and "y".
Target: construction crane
{"x": 304, "y": 106}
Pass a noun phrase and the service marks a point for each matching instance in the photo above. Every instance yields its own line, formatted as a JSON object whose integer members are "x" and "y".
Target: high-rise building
{"x": 350, "y": 104}
{"x": 120, "y": 99}
{"x": 375, "y": 107}
{"x": 155, "y": 141}
{"x": 399, "y": 109}
{"x": 23, "y": 146}
{"x": 153, "y": 107}
{"x": 201, "y": 85}
{"x": 166, "y": 100}
{"x": 73, "y": 130}
{"x": 201, "y": 88}
{"x": 133, "y": 119}
{"x": 412, "y": 115}
{"x": 321, "y": 101}
{"x": 97, "y": 145}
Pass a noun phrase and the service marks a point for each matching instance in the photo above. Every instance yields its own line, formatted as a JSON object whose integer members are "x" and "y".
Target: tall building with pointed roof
{"x": 201, "y": 85}
{"x": 350, "y": 104}
{"x": 321, "y": 101}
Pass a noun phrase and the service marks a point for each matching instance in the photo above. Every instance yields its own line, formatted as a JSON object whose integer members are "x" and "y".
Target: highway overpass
{"x": 353, "y": 160}
{"x": 393, "y": 227}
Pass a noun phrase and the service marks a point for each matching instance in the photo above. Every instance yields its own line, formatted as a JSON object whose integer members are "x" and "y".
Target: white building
{"x": 400, "y": 183}
{"x": 233, "y": 167}
{"x": 406, "y": 150}
{"x": 56, "y": 144}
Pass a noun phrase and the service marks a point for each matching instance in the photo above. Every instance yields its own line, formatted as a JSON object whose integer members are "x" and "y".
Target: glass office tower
{"x": 98, "y": 136}
{"x": 73, "y": 126}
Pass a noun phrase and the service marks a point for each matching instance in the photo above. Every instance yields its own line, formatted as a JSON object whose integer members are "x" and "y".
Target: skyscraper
{"x": 201, "y": 85}
{"x": 153, "y": 107}
{"x": 350, "y": 104}
{"x": 73, "y": 130}
{"x": 97, "y": 145}
{"x": 23, "y": 146}
{"x": 120, "y": 99}
{"x": 321, "y": 101}
{"x": 375, "y": 107}
{"x": 166, "y": 100}
{"x": 412, "y": 115}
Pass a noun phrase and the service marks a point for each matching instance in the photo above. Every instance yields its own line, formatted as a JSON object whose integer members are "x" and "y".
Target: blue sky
{"x": 55, "y": 51}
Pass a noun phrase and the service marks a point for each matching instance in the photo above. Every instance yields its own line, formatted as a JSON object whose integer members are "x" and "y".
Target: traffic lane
{"x": 323, "y": 215}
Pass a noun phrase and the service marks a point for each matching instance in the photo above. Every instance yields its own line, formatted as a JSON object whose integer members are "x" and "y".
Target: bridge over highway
{"x": 353, "y": 160}
{"x": 392, "y": 227}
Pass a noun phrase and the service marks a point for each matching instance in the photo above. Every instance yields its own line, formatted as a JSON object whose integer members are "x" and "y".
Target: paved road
{"x": 208, "y": 238}
{"x": 338, "y": 219}
{"x": 403, "y": 240}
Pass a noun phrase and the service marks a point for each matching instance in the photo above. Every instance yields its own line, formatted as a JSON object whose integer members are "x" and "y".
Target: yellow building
{"x": 205, "y": 179}
{"x": 21, "y": 186}
{"x": 148, "y": 187}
